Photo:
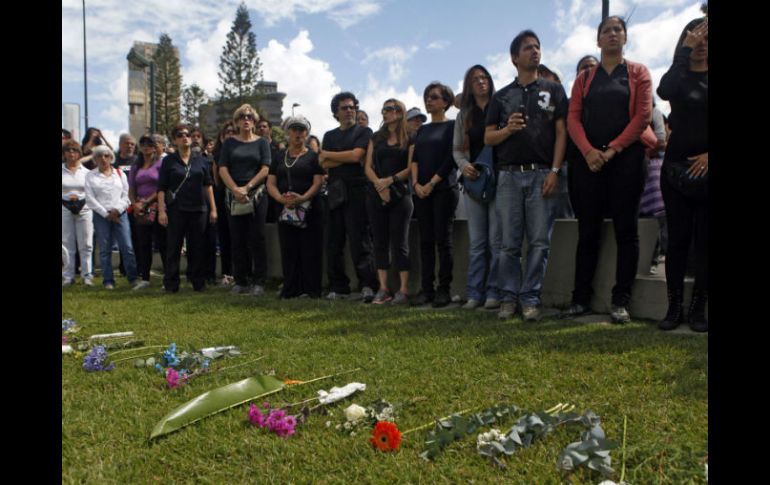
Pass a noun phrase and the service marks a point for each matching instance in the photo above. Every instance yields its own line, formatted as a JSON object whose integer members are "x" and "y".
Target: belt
{"x": 526, "y": 167}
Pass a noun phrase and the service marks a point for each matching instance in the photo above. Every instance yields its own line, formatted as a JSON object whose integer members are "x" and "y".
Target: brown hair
{"x": 401, "y": 135}
{"x": 446, "y": 93}
{"x": 71, "y": 144}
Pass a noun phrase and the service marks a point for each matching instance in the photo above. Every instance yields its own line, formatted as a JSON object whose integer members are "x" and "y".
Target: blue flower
{"x": 205, "y": 364}
{"x": 95, "y": 360}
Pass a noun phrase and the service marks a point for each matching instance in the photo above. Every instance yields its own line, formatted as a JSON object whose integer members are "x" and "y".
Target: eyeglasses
{"x": 348, "y": 107}
{"x": 180, "y": 134}
{"x": 69, "y": 150}
{"x": 433, "y": 97}
{"x": 246, "y": 117}
{"x": 390, "y": 109}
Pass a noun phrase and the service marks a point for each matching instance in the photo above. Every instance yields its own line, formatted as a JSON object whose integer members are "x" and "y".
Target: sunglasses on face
{"x": 181, "y": 134}
{"x": 70, "y": 150}
{"x": 433, "y": 97}
{"x": 348, "y": 108}
{"x": 246, "y": 117}
{"x": 390, "y": 109}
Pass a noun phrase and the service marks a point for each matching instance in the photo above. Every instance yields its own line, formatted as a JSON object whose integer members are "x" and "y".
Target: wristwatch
{"x": 556, "y": 169}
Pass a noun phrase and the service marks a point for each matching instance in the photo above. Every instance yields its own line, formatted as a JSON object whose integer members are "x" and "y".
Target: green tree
{"x": 168, "y": 85}
{"x": 239, "y": 66}
{"x": 704, "y": 7}
{"x": 192, "y": 99}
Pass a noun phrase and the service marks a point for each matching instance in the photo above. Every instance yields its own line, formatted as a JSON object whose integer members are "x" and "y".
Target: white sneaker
{"x": 492, "y": 304}
{"x": 68, "y": 282}
{"x": 257, "y": 290}
{"x": 367, "y": 294}
{"x": 88, "y": 281}
{"x": 142, "y": 285}
{"x": 109, "y": 286}
{"x": 472, "y": 304}
{"x": 336, "y": 296}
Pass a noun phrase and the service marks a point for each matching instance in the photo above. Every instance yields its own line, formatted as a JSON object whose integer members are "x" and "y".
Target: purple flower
{"x": 95, "y": 360}
{"x": 172, "y": 378}
{"x": 256, "y": 417}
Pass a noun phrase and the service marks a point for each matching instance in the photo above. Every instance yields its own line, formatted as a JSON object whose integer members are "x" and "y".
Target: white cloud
{"x": 201, "y": 58}
{"x": 344, "y": 12}
{"x": 292, "y": 68}
{"x": 395, "y": 57}
{"x": 439, "y": 45}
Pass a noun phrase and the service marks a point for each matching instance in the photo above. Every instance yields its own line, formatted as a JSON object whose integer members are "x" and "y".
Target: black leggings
{"x": 617, "y": 190}
{"x": 390, "y": 228}
{"x": 145, "y": 235}
{"x": 435, "y": 217}
{"x": 685, "y": 218}
{"x": 247, "y": 234}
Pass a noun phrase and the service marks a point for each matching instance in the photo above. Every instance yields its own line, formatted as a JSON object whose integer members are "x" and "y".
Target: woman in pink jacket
{"x": 610, "y": 110}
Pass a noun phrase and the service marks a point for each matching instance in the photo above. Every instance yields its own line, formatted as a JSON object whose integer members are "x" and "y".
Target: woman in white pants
{"x": 77, "y": 229}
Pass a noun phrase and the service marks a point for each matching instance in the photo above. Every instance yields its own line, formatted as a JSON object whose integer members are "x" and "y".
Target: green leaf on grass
{"x": 216, "y": 401}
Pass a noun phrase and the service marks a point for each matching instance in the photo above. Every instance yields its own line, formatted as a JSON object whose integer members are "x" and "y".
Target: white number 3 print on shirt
{"x": 545, "y": 99}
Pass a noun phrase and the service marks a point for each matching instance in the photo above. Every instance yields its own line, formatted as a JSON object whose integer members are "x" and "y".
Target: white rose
{"x": 354, "y": 412}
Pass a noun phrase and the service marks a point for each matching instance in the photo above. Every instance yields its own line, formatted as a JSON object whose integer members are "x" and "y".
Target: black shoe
{"x": 171, "y": 290}
{"x": 697, "y": 314}
{"x": 442, "y": 299}
{"x": 675, "y": 315}
{"x": 575, "y": 310}
{"x": 421, "y": 299}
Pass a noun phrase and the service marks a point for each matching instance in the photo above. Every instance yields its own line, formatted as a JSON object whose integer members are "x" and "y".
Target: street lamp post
{"x": 138, "y": 59}
{"x": 294, "y": 106}
{"x": 85, "y": 71}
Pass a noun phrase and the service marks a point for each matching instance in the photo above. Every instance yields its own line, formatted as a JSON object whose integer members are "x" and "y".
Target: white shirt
{"x": 73, "y": 182}
{"x": 106, "y": 192}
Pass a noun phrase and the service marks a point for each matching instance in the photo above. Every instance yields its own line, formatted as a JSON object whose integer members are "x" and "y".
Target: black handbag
{"x": 74, "y": 206}
{"x": 676, "y": 175}
{"x": 337, "y": 192}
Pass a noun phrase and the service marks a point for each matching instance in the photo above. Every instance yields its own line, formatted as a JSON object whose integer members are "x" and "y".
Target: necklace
{"x": 286, "y": 158}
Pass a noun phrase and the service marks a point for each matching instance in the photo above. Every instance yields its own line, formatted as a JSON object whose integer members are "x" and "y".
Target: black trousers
{"x": 223, "y": 233}
{"x": 247, "y": 235}
{"x": 301, "y": 255}
{"x": 350, "y": 221}
{"x": 685, "y": 218}
{"x": 615, "y": 190}
{"x": 146, "y": 235}
{"x": 435, "y": 217}
{"x": 390, "y": 228}
{"x": 181, "y": 225}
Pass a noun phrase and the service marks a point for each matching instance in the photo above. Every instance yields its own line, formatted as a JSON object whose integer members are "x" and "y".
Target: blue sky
{"x": 375, "y": 48}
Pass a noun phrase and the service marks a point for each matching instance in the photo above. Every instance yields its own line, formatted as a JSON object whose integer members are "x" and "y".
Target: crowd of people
{"x": 524, "y": 155}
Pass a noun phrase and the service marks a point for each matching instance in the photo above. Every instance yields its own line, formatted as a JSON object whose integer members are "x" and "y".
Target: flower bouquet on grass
{"x": 274, "y": 420}
{"x": 180, "y": 368}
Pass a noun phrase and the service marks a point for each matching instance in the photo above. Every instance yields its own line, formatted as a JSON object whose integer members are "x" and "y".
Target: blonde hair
{"x": 246, "y": 109}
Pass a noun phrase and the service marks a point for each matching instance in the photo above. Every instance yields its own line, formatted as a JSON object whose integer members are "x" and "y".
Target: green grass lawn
{"x": 449, "y": 359}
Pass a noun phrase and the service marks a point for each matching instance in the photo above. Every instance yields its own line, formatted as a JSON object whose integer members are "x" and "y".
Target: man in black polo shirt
{"x": 526, "y": 123}
{"x": 342, "y": 154}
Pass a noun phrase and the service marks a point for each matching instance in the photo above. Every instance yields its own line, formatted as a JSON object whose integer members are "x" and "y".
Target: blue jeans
{"x": 485, "y": 240}
{"x": 521, "y": 207}
{"x": 108, "y": 232}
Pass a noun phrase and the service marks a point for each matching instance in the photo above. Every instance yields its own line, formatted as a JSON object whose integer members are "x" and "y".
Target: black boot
{"x": 697, "y": 315}
{"x": 675, "y": 315}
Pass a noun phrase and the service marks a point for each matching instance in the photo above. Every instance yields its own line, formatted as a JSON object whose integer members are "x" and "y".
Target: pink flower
{"x": 256, "y": 417}
{"x": 172, "y": 378}
{"x": 64, "y": 340}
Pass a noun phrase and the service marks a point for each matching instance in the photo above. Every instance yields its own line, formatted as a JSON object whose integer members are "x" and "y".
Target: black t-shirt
{"x": 476, "y": 131}
{"x": 544, "y": 102}
{"x": 302, "y": 171}
{"x": 388, "y": 160}
{"x": 338, "y": 140}
{"x": 605, "y": 106}
{"x": 433, "y": 154}
{"x": 124, "y": 162}
{"x": 688, "y": 93}
{"x": 190, "y": 195}
{"x": 244, "y": 160}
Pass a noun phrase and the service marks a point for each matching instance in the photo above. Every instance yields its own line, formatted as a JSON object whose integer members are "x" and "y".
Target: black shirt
{"x": 301, "y": 169}
{"x": 338, "y": 140}
{"x": 190, "y": 195}
{"x": 244, "y": 160}
{"x": 388, "y": 160}
{"x": 433, "y": 154}
{"x": 544, "y": 102}
{"x": 688, "y": 93}
{"x": 605, "y": 106}
{"x": 123, "y": 162}
{"x": 478, "y": 120}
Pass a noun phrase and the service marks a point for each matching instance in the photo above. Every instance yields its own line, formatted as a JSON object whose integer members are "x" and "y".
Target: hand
{"x": 240, "y": 194}
{"x": 595, "y": 160}
{"x": 551, "y": 184}
{"x": 516, "y": 122}
{"x": 382, "y": 184}
{"x": 470, "y": 172}
{"x": 138, "y": 206}
{"x": 609, "y": 154}
{"x": 290, "y": 199}
{"x": 322, "y": 156}
{"x": 420, "y": 191}
{"x": 213, "y": 217}
{"x": 163, "y": 218}
{"x": 696, "y": 35}
{"x": 114, "y": 216}
{"x": 700, "y": 166}
{"x": 384, "y": 195}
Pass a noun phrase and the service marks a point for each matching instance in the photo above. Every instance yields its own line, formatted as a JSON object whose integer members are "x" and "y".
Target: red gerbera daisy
{"x": 386, "y": 436}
